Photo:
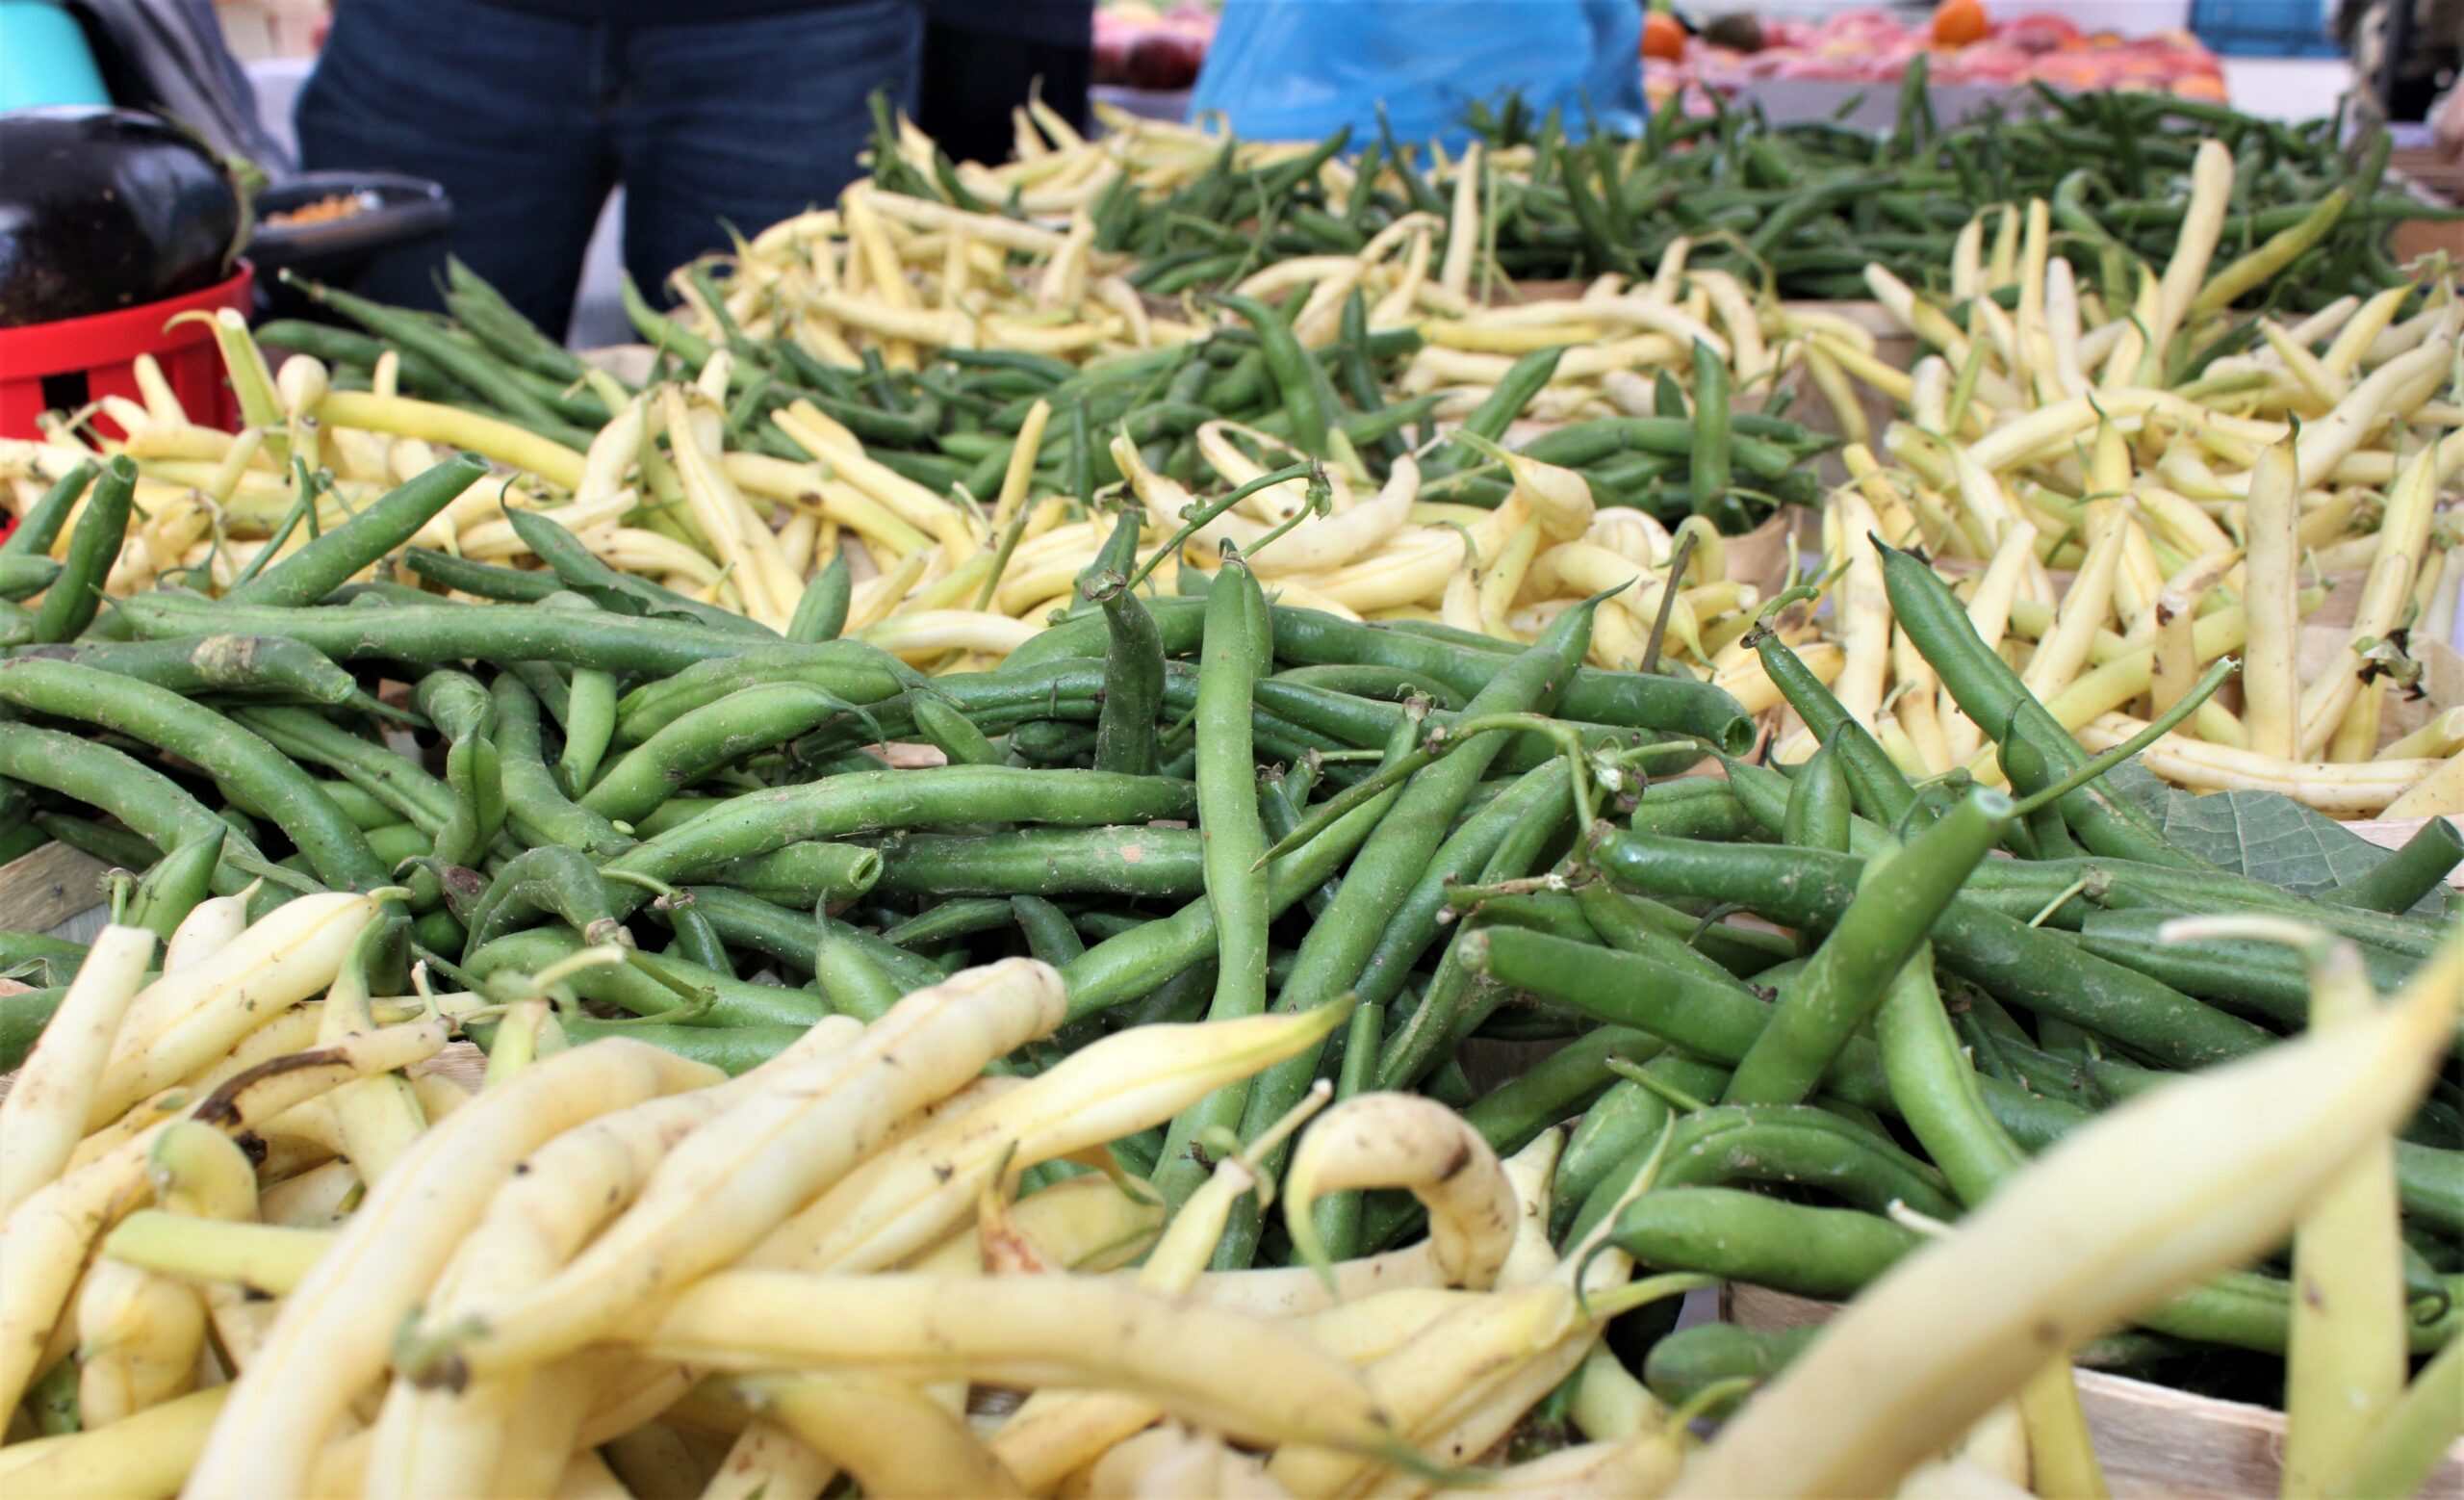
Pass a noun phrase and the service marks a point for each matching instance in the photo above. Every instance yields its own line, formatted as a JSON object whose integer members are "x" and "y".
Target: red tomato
{"x": 1663, "y": 36}
{"x": 1957, "y": 23}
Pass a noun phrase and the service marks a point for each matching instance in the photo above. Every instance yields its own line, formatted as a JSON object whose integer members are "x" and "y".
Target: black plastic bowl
{"x": 406, "y": 215}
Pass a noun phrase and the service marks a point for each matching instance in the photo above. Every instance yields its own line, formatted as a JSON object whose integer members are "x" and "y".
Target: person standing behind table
{"x": 982, "y": 58}
{"x": 530, "y": 111}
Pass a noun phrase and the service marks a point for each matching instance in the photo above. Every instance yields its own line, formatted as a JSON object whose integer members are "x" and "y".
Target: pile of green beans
{"x": 951, "y": 425}
{"x": 1212, "y": 806}
{"x": 1802, "y": 208}
{"x": 706, "y": 797}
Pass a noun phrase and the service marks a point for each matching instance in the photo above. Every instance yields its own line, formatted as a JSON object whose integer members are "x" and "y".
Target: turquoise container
{"x": 44, "y": 59}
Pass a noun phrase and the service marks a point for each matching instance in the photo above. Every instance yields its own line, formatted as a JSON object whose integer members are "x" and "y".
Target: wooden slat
{"x": 461, "y": 1061}
{"x": 48, "y": 887}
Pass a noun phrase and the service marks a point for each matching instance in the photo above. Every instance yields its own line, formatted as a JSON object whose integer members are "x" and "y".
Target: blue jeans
{"x": 529, "y": 120}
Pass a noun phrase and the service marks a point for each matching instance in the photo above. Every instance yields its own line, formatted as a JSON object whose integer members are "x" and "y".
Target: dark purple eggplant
{"x": 103, "y": 209}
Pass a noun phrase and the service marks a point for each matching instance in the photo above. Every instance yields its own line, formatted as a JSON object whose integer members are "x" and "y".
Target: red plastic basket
{"x": 64, "y": 365}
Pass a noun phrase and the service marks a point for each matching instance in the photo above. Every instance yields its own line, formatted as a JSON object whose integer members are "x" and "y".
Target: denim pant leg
{"x": 495, "y": 104}
{"x": 748, "y": 121}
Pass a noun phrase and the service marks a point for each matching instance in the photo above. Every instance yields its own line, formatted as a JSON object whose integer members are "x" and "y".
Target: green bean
{"x": 1522, "y": 383}
{"x": 1692, "y": 807}
{"x": 854, "y": 984}
{"x": 535, "y": 805}
{"x": 1623, "y": 921}
{"x": 2254, "y": 979}
{"x": 696, "y": 942}
{"x": 952, "y": 733}
{"x": 2022, "y": 964}
{"x": 547, "y": 881}
{"x": 651, "y": 984}
{"x": 1339, "y": 945}
{"x": 1050, "y": 743}
{"x": 1614, "y": 1137}
{"x": 1817, "y": 816}
{"x": 1295, "y": 373}
{"x": 1134, "y": 963}
{"x": 1178, "y": 621}
{"x": 2044, "y": 834}
{"x": 1934, "y": 1089}
{"x": 674, "y": 811}
{"x": 1364, "y": 680}
{"x": 1900, "y": 900}
{"x": 217, "y": 665}
{"x": 548, "y": 684}
{"x": 590, "y": 723}
{"x": 821, "y": 610}
{"x": 1603, "y": 248}
{"x": 39, "y": 526}
{"x": 1455, "y": 1004}
{"x": 474, "y": 769}
{"x": 1763, "y": 793}
{"x": 2397, "y": 881}
{"x": 1152, "y": 863}
{"x": 1536, "y": 802}
{"x": 500, "y": 325}
{"x": 1835, "y": 1253}
{"x": 23, "y": 575}
{"x": 620, "y": 593}
{"x": 22, "y": 1019}
{"x": 854, "y": 671}
{"x": 1743, "y": 1236}
{"x": 1801, "y": 1147}
{"x": 788, "y": 937}
{"x": 732, "y": 1049}
{"x": 1343, "y": 721}
{"x": 1707, "y": 480}
{"x": 1555, "y": 1088}
{"x": 160, "y": 717}
{"x": 1626, "y": 699}
{"x": 841, "y": 805}
{"x": 816, "y": 870}
{"x": 440, "y": 632}
{"x": 1882, "y": 792}
{"x": 661, "y": 332}
{"x": 484, "y": 580}
{"x": 117, "y": 847}
{"x": 2122, "y": 883}
{"x": 1337, "y": 1216}
{"x": 1236, "y": 882}
{"x": 68, "y": 605}
{"x": 1990, "y": 693}
{"x": 1281, "y": 800}
{"x": 1046, "y": 927}
{"x": 1684, "y": 1366}
{"x": 948, "y": 920}
{"x": 493, "y": 383}
{"x": 706, "y": 740}
{"x": 325, "y": 563}
{"x": 1125, "y": 740}
{"x": 1715, "y": 1018}
{"x": 174, "y": 886}
{"x": 395, "y": 842}
{"x": 142, "y": 799}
